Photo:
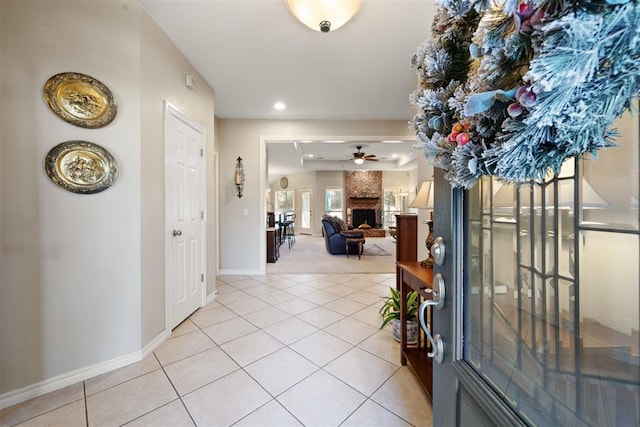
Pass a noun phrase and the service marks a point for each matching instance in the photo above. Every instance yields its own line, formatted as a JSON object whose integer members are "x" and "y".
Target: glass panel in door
{"x": 305, "y": 211}
{"x": 551, "y": 310}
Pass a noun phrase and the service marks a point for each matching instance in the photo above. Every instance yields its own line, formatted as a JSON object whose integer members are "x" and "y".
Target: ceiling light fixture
{"x": 279, "y": 106}
{"x": 358, "y": 161}
{"x": 324, "y": 15}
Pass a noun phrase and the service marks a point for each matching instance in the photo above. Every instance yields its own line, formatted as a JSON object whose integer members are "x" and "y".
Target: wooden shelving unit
{"x": 414, "y": 277}
{"x": 410, "y": 275}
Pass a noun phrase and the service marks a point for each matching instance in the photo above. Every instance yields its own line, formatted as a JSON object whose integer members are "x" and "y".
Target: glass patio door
{"x": 305, "y": 211}
{"x": 542, "y": 313}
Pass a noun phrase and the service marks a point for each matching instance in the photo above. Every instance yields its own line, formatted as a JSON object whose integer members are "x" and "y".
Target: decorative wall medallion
{"x": 81, "y": 167}
{"x": 284, "y": 182}
{"x": 80, "y": 100}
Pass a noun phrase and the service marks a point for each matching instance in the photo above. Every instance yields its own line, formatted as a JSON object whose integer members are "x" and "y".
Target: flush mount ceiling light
{"x": 324, "y": 15}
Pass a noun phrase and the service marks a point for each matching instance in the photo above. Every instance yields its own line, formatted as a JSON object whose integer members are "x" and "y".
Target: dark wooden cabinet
{"x": 273, "y": 244}
{"x": 406, "y": 237}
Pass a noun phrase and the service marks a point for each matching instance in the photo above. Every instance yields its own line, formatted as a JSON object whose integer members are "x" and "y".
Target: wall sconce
{"x": 238, "y": 176}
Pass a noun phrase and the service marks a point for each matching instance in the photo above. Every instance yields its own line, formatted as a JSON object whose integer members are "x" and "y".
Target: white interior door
{"x": 305, "y": 211}
{"x": 184, "y": 152}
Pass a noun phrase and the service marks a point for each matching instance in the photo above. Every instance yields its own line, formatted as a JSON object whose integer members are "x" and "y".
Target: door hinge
{"x": 202, "y": 152}
{"x": 202, "y": 278}
{"x": 201, "y": 214}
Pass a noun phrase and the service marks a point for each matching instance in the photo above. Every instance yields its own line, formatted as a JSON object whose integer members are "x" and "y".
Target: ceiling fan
{"x": 359, "y": 157}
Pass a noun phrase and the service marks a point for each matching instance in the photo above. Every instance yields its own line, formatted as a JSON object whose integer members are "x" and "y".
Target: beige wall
{"x": 242, "y": 250}
{"x": 82, "y": 285}
{"x": 164, "y": 69}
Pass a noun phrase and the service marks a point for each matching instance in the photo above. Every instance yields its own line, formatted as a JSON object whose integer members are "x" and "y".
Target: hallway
{"x": 275, "y": 350}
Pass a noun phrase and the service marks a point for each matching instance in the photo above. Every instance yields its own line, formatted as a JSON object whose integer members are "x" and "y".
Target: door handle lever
{"x": 177, "y": 233}
{"x": 437, "y": 344}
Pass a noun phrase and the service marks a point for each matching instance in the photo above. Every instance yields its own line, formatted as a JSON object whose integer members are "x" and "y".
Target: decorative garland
{"x": 513, "y": 89}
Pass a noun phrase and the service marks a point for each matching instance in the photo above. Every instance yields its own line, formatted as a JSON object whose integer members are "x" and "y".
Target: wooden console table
{"x": 414, "y": 277}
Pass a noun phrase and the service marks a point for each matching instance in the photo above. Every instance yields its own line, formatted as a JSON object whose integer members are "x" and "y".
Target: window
{"x": 392, "y": 207}
{"x": 333, "y": 202}
{"x": 285, "y": 201}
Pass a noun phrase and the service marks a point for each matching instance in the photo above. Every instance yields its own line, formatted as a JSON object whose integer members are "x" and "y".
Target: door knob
{"x": 177, "y": 233}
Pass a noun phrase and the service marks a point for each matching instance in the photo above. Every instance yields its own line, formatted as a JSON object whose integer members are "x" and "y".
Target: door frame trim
{"x": 171, "y": 110}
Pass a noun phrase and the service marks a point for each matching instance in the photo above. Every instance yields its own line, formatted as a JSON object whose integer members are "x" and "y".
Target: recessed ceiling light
{"x": 306, "y": 141}
{"x": 279, "y": 106}
{"x": 309, "y": 155}
{"x": 333, "y": 141}
{"x": 394, "y": 156}
{"x": 392, "y": 141}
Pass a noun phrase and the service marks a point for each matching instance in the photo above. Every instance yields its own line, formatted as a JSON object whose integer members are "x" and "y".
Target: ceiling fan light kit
{"x": 359, "y": 157}
{"x": 324, "y": 15}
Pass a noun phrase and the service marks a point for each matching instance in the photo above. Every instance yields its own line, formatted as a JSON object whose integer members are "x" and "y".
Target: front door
{"x": 540, "y": 324}
{"x": 305, "y": 211}
{"x": 184, "y": 149}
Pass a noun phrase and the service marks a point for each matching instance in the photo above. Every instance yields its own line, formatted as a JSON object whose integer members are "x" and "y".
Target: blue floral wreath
{"x": 515, "y": 89}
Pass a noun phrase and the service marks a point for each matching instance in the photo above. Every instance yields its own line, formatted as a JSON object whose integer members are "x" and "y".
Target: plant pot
{"x": 412, "y": 331}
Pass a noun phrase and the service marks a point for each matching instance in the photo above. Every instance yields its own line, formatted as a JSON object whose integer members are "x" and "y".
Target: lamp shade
{"x": 358, "y": 161}
{"x": 424, "y": 198}
{"x": 315, "y": 14}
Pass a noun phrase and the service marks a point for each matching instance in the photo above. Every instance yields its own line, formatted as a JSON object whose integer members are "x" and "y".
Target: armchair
{"x": 336, "y": 232}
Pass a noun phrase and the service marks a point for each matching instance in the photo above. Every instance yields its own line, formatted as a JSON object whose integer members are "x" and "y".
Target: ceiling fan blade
{"x": 371, "y": 159}
{"x": 368, "y": 156}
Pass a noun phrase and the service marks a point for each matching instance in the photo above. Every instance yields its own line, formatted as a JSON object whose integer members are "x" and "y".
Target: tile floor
{"x": 276, "y": 350}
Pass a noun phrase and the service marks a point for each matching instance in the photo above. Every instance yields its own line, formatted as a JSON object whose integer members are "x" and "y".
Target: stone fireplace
{"x": 364, "y": 193}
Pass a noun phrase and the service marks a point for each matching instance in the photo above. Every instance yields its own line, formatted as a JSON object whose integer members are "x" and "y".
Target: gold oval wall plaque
{"x": 80, "y": 100}
{"x": 81, "y": 167}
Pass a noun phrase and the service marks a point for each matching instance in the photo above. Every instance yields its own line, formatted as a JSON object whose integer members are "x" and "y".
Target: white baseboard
{"x": 261, "y": 272}
{"x": 60, "y": 381}
{"x": 211, "y": 297}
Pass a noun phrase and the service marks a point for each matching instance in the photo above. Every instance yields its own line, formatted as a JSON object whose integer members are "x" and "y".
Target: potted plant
{"x": 390, "y": 312}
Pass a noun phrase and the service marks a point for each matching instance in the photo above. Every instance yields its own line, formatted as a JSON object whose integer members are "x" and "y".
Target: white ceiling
{"x": 254, "y": 53}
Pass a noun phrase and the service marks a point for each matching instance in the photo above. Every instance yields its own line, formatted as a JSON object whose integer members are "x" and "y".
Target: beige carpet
{"x": 309, "y": 255}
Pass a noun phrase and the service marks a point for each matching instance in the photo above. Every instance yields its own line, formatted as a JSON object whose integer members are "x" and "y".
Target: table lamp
{"x": 424, "y": 200}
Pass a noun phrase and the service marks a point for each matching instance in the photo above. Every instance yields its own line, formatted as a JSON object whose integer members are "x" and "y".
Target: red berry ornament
{"x": 462, "y": 138}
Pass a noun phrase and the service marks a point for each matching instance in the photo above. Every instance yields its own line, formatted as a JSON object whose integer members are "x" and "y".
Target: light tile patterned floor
{"x": 276, "y": 350}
